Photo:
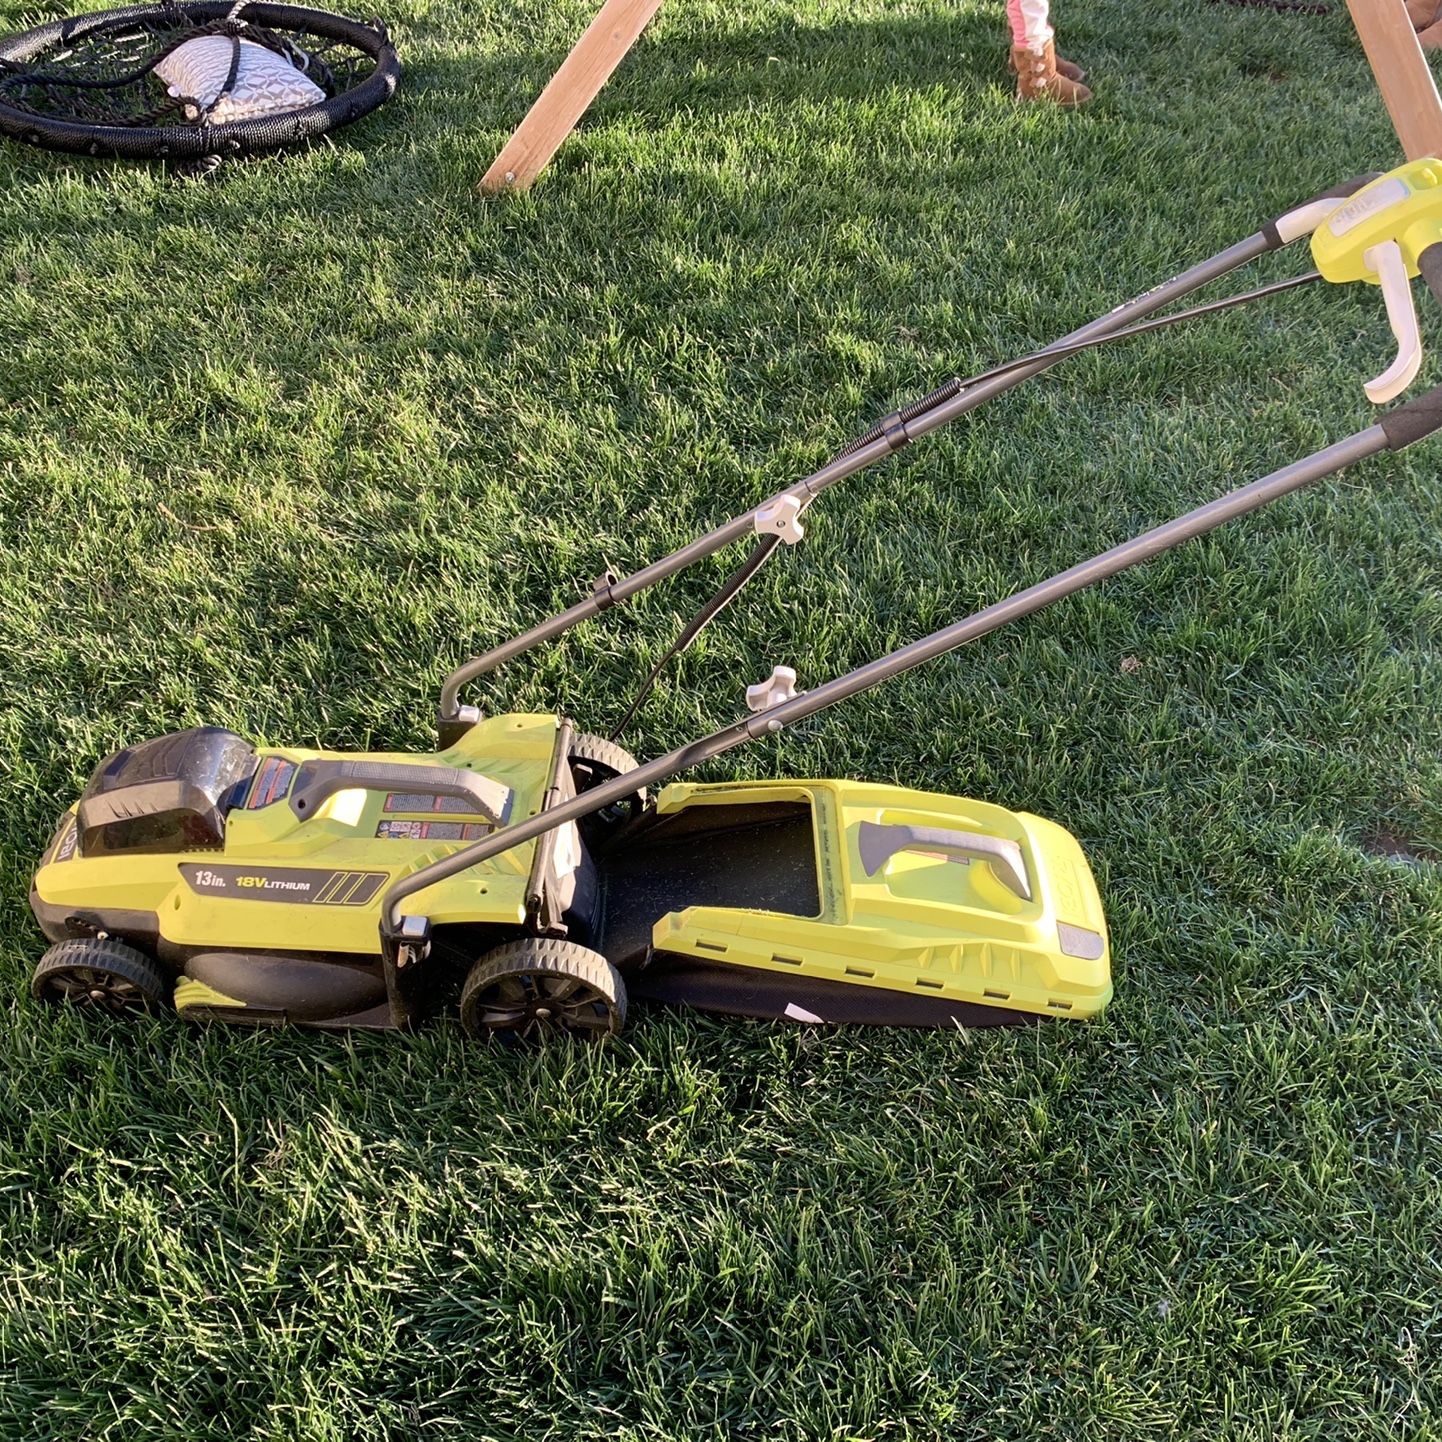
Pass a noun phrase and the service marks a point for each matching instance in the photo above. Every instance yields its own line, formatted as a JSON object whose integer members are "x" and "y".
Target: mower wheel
{"x": 594, "y": 761}
{"x": 539, "y": 987}
{"x": 101, "y": 973}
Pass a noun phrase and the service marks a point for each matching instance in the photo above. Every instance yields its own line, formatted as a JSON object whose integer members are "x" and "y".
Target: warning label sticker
{"x": 272, "y": 781}
{"x": 425, "y": 801}
{"x": 432, "y": 830}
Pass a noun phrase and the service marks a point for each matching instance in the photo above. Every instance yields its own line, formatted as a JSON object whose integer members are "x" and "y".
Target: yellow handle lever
{"x": 1379, "y": 236}
{"x": 1385, "y": 261}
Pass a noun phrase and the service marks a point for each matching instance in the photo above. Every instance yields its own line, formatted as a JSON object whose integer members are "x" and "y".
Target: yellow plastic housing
{"x": 1404, "y": 205}
{"x": 923, "y": 923}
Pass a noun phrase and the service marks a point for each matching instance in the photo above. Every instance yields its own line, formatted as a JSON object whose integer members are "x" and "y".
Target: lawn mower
{"x": 525, "y": 870}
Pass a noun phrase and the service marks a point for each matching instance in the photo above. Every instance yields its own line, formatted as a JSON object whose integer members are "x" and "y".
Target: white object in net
{"x": 265, "y": 83}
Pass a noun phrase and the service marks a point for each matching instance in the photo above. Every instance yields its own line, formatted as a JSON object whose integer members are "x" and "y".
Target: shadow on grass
{"x": 714, "y": 72}
{"x": 740, "y": 69}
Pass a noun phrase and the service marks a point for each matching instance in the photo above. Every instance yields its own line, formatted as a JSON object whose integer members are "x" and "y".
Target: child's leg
{"x": 1030, "y": 24}
{"x": 1426, "y": 18}
{"x": 1017, "y": 21}
{"x": 1029, "y": 19}
{"x": 1040, "y": 75}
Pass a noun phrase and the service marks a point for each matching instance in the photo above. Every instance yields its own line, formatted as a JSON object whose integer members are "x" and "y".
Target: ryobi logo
{"x": 1364, "y": 206}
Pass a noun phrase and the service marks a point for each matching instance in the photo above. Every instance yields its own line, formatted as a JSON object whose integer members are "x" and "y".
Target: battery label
{"x": 285, "y": 883}
{"x": 432, "y": 830}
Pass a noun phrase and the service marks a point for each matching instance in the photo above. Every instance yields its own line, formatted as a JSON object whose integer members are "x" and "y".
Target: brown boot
{"x": 1066, "y": 67}
{"x": 1037, "y": 77}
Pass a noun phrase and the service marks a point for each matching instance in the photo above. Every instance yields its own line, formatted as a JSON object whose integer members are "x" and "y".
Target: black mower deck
{"x": 761, "y": 858}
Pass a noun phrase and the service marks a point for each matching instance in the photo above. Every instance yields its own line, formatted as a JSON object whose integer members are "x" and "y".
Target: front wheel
{"x": 541, "y": 987}
{"x": 101, "y": 974}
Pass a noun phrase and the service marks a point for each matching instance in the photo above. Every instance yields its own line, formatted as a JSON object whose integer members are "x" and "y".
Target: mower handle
{"x": 1399, "y": 428}
{"x": 878, "y": 844}
{"x": 453, "y": 719}
{"x": 1382, "y": 236}
{"x": 319, "y": 780}
{"x": 1389, "y": 264}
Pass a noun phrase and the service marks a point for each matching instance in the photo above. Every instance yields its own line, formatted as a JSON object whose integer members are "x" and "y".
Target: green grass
{"x": 278, "y": 450}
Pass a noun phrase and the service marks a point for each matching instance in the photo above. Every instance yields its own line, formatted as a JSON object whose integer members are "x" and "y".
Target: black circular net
{"x": 89, "y": 83}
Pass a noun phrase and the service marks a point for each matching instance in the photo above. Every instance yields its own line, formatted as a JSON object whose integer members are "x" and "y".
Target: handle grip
{"x": 878, "y": 844}
{"x": 319, "y": 780}
{"x": 1303, "y": 219}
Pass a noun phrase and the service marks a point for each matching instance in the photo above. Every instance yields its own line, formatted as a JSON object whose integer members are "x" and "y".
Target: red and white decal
{"x": 272, "y": 782}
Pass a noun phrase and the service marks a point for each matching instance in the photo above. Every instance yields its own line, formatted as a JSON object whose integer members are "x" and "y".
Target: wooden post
{"x": 1402, "y": 72}
{"x": 572, "y": 88}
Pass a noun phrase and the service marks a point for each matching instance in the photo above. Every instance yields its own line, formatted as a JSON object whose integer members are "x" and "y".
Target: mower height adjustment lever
{"x": 1385, "y": 234}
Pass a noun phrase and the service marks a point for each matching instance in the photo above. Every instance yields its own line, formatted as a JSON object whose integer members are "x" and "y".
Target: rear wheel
{"x": 102, "y": 974}
{"x": 538, "y": 988}
{"x": 594, "y": 761}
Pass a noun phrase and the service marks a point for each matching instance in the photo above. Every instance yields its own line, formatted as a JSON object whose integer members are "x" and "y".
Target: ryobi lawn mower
{"x": 526, "y": 864}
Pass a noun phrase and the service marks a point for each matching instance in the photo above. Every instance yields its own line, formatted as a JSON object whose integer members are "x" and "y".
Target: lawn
{"x": 279, "y": 449}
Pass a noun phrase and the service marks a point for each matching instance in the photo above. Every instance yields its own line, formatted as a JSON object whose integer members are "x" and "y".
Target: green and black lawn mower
{"x": 528, "y": 869}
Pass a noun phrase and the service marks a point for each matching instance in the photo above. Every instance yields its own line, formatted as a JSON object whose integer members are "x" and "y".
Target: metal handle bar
{"x": 1399, "y": 428}
{"x": 1300, "y": 221}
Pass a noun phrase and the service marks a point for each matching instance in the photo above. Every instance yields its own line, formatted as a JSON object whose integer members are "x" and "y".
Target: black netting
{"x": 87, "y": 83}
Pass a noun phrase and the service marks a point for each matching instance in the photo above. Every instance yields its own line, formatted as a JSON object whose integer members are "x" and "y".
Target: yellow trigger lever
{"x": 1386, "y": 233}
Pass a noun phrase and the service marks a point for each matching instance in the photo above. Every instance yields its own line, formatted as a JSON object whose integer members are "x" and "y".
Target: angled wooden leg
{"x": 572, "y": 88}
{"x": 1403, "y": 76}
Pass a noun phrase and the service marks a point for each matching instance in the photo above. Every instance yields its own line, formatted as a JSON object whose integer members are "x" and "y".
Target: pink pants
{"x": 1029, "y": 25}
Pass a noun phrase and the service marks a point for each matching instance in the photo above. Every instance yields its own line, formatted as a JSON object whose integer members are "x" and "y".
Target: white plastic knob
{"x": 778, "y": 687}
{"x": 780, "y": 517}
